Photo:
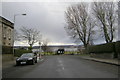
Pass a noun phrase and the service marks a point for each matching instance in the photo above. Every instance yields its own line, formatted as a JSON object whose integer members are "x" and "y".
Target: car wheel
{"x": 33, "y": 62}
{"x": 17, "y": 64}
{"x": 36, "y": 60}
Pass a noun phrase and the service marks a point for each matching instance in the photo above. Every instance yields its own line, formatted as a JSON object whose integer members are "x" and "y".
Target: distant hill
{"x": 61, "y": 46}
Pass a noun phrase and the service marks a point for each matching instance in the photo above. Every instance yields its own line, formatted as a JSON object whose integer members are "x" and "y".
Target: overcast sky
{"x": 47, "y": 17}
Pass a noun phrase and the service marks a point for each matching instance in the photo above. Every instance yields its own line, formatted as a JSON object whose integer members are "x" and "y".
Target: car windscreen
{"x": 27, "y": 55}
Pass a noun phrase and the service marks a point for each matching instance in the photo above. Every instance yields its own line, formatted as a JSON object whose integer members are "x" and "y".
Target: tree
{"x": 106, "y": 16}
{"x": 45, "y": 47}
{"x": 16, "y": 35}
{"x": 31, "y": 35}
{"x": 16, "y": 38}
{"x": 79, "y": 23}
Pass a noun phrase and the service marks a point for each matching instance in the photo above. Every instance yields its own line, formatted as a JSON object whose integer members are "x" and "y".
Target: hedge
{"x": 113, "y": 47}
{"x": 117, "y": 47}
{"x": 103, "y": 48}
{"x": 19, "y": 52}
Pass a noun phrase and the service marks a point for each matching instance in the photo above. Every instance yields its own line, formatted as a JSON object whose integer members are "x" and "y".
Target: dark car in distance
{"x": 27, "y": 58}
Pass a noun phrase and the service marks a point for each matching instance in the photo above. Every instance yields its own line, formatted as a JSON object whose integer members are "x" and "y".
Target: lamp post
{"x": 14, "y": 27}
{"x": 40, "y": 49}
{"x": 17, "y": 15}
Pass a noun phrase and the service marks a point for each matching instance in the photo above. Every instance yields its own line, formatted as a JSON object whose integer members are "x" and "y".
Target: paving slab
{"x": 108, "y": 61}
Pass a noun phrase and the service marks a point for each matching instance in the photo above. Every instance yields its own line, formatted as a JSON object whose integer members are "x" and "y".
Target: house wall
{"x": 103, "y": 55}
{"x": 6, "y": 32}
{"x": 6, "y": 36}
{"x": 0, "y": 37}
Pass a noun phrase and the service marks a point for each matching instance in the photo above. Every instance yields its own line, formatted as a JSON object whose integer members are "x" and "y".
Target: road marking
{"x": 41, "y": 59}
{"x": 60, "y": 64}
{"x": 60, "y": 61}
{"x": 63, "y": 68}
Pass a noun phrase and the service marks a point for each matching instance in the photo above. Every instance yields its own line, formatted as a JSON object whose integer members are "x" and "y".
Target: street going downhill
{"x": 63, "y": 66}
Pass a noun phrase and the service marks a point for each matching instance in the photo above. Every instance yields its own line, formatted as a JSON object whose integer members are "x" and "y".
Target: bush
{"x": 103, "y": 48}
{"x": 117, "y": 47}
{"x": 30, "y": 48}
{"x": 113, "y": 47}
{"x": 19, "y": 52}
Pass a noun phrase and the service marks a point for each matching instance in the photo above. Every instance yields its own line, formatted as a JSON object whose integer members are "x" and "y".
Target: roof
{"x": 6, "y": 22}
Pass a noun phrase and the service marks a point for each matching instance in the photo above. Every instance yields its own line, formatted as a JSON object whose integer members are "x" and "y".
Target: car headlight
{"x": 30, "y": 58}
{"x": 18, "y": 59}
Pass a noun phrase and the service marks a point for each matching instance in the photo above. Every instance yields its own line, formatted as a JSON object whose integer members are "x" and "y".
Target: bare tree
{"x": 16, "y": 35}
{"x": 31, "y": 35}
{"x": 106, "y": 16}
{"x": 79, "y": 23}
{"x": 45, "y": 47}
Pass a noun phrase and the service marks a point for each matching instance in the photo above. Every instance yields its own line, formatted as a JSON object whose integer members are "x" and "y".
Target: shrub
{"x": 117, "y": 47}
{"x": 19, "y": 52}
{"x": 113, "y": 47}
{"x": 103, "y": 48}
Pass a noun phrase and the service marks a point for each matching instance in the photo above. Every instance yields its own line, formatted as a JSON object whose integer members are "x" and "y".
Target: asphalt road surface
{"x": 63, "y": 66}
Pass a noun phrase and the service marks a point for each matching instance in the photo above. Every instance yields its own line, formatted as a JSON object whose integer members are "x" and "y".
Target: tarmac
{"x": 107, "y": 61}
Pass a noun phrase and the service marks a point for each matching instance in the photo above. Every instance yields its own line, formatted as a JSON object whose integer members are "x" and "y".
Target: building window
{"x": 9, "y": 38}
{"x": 9, "y": 33}
{"x": 4, "y": 37}
{"x": 4, "y": 31}
{"x": 9, "y": 43}
{"x": 4, "y": 43}
{"x": 5, "y": 27}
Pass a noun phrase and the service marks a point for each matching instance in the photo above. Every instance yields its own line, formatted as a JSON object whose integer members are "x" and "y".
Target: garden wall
{"x": 108, "y": 50}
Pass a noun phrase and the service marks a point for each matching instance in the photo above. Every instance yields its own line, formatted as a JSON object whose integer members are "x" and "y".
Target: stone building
{"x": 6, "y": 33}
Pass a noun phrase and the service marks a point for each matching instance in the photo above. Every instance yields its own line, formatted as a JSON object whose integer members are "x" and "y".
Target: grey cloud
{"x": 46, "y": 17}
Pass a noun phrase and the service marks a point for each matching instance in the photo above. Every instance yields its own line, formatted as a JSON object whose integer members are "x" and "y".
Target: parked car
{"x": 27, "y": 58}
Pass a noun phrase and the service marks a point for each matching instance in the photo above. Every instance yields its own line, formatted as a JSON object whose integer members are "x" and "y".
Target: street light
{"x": 14, "y": 26}
{"x": 18, "y": 15}
{"x": 22, "y": 14}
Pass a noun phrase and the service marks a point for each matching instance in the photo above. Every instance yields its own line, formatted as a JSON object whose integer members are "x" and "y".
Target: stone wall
{"x": 6, "y": 32}
{"x": 102, "y": 55}
{"x": 7, "y": 57}
{"x": 107, "y": 50}
{"x": 0, "y": 38}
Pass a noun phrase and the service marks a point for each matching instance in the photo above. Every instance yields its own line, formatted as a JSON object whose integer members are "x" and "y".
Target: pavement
{"x": 0, "y": 61}
{"x": 107, "y": 61}
{"x": 8, "y": 64}
{"x": 0, "y": 66}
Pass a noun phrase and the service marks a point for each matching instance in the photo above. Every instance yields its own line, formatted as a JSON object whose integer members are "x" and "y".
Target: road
{"x": 63, "y": 66}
